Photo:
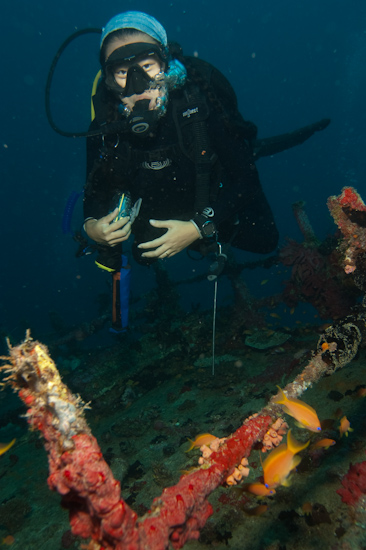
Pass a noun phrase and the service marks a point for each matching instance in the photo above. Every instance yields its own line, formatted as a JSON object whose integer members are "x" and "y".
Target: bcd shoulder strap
{"x": 192, "y": 110}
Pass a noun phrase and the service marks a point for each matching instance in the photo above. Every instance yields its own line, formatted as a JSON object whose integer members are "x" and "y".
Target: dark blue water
{"x": 291, "y": 64}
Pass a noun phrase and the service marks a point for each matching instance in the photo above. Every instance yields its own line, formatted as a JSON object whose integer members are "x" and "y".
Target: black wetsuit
{"x": 158, "y": 171}
{"x": 162, "y": 171}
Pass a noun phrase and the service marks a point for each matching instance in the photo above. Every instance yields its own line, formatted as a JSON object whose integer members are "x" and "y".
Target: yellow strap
{"x": 119, "y": 206}
{"x": 94, "y": 91}
{"x": 109, "y": 269}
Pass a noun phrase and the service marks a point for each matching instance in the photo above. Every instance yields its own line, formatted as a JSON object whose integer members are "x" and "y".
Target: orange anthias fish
{"x": 307, "y": 508}
{"x": 275, "y": 315}
{"x": 323, "y": 443}
{"x": 345, "y": 426}
{"x": 202, "y": 439}
{"x": 257, "y": 510}
{"x": 6, "y": 446}
{"x": 258, "y": 489}
{"x": 303, "y": 413}
{"x": 281, "y": 461}
{"x": 8, "y": 540}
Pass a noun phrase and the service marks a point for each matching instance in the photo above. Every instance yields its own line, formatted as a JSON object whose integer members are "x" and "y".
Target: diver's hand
{"x": 106, "y": 231}
{"x": 179, "y": 236}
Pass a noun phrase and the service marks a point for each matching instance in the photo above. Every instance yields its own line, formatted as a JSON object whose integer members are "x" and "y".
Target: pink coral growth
{"x": 237, "y": 474}
{"x": 274, "y": 435}
{"x": 317, "y": 276}
{"x": 354, "y": 484}
{"x": 349, "y": 213}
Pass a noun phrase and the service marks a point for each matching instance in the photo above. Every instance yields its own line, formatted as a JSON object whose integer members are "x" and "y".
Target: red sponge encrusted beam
{"x": 78, "y": 471}
{"x": 91, "y": 494}
{"x": 182, "y": 510}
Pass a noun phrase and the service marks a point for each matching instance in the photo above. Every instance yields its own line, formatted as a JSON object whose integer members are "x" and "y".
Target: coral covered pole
{"x": 304, "y": 223}
{"x": 349, "y": 213}
{"x": 77, "y": 469}
{"x": 79, "y": 473}
{"x": 337, "y": 346}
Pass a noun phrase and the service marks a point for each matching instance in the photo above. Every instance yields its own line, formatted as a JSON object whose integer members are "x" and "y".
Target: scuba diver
{"x": 169, "y": 156}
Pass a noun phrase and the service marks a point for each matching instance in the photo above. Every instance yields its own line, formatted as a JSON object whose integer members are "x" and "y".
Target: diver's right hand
{"x": 106, "y": 231}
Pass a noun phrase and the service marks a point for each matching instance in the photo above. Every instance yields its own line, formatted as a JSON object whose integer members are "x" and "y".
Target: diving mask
{"x": 129, "y": 57}
{"x": 142, "y": 117}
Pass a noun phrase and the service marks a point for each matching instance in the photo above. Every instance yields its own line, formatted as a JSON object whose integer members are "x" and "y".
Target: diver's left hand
{"x": 179, "y": 235}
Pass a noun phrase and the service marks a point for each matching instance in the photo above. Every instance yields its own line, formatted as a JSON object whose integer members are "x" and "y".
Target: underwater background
{"x": 290, "y": 64}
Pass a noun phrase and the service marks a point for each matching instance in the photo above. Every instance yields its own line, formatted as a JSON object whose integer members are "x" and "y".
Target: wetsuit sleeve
{"x": 277, "y": 144}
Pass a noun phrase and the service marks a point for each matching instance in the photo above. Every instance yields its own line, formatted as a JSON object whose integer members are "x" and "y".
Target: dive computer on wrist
{"x": 205, "y": 225}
